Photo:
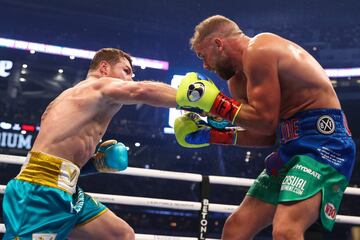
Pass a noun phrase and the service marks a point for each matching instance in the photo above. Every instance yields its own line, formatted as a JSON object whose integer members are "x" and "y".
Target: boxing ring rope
{"x": 191, "y": 177}
{"x": 174, "y": 204}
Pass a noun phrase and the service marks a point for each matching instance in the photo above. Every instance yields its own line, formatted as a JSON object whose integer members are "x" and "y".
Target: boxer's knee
{"x": 286, "y": 232}
{"x": 128, "y": 234}
{"x": 114, "y": 227}
{"x": 124, "y": 232}
{"x": 234, "y": 225}
{"x": 233, "y": 221}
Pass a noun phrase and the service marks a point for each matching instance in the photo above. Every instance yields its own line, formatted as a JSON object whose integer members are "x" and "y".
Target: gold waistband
{"x": 48, "y": 170}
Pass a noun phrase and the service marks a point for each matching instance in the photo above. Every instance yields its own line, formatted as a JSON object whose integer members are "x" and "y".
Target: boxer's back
{"x": 74, "y": 122}
{"x": 303, "y": 82}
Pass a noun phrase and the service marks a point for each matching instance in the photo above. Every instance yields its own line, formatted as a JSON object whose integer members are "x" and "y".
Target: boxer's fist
{"x": 111, "y": 157}
{"x": 197, "y": 92}
{"x": 191, "y": 131}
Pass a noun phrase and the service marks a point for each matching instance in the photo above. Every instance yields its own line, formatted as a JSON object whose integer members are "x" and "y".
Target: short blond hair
{"x": 218, "y": 24}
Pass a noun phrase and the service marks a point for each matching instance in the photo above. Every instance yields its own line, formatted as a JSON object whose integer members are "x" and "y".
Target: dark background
{"x": 329, "y": 30}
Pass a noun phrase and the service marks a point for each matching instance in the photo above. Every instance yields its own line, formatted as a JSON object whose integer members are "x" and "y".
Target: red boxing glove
{"x": 228, "y": 137}
{"x": 225, "y": 107}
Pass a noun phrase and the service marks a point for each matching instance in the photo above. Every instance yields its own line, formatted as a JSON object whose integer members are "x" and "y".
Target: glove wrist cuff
{"x": 225, "y": 107}
{"x": 228, "y": 137}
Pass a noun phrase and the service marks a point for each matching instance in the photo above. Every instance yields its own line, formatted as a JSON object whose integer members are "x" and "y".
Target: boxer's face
{"x": 121, "y": 70}
{"x": 214, "y": 58}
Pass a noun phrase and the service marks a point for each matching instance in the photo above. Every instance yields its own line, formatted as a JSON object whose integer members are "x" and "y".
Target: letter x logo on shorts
{"x": 325, "y": 124}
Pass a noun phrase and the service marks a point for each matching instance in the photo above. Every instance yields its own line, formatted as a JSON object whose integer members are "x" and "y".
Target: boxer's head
{"x": 112, "y": 62}
{"x": 210, "y": 43}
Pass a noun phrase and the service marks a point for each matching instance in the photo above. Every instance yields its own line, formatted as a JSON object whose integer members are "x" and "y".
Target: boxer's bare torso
{"x": 73, "y": 124}
{"x": 300, "y": 83}
{"x": 273, "y": 77}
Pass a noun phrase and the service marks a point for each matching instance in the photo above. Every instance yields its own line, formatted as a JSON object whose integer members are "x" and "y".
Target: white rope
{"x": 347, "y": 219}
{"x": 182, "y": 205}
{"x": 173, "y": 204}
{"x": 12, "y": 159}
{"x": 163, "y": 237}
{"x": 2, "y": 188}
{"x": 155, "y": 202}
{"x": 147, "y": 202}
{"x": 245, "y": 182}
{"x": 141, "y": 172}
{"x": 142, "y": 236}
{"x": 352, "y": 191}
{"x": 176, "y": 204}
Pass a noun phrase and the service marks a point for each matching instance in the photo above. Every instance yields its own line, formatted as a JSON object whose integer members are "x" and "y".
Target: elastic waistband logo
{"x": 325, "y": 124}
{"x": 289, "y": 130}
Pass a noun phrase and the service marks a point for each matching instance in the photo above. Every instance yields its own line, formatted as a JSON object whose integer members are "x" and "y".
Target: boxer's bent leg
{"x": 293, "y": 218}
{"x": 252, "y": 216}
{"x": 96, "y": 221}
{"x": 309, "y": 190}
{"x": 34, "y": 211}
{"x": 257, "y": 209}
{"x": 106, "y": 226}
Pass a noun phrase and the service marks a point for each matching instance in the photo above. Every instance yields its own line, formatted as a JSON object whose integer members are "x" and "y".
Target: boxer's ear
{"x": 104, "y": 68}
{"x": 219, "y": 43}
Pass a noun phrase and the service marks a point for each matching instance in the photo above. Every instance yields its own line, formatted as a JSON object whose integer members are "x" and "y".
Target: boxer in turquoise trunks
{"x": 43, "y": 201}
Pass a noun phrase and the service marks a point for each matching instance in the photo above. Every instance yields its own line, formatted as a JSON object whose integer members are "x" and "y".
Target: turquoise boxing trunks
{"x": 43, "y": 201}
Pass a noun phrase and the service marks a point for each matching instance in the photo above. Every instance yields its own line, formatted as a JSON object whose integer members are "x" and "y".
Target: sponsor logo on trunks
{"x": 95, "y": 201}
{"x": 79, "y": 202}
{"x": 44, "y": 236}
{"x": 293, "y": 184}
{"x": 308, "y": 170}
{"x": 261, "y": 183}
{"x": 325, "y": 124}
{"x": 289, "y": 130}
{"x": 336, "y": 188}
{"x": 330, "y": 211}
{"x": 68, "y": 177}
{"x": 331, "y": 156}
{"x": 72, "y": 173}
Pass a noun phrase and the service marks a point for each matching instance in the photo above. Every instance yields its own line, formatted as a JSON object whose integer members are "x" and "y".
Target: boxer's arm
{"x": 260, "y": 114}
{"x": 153, "y": 93}
{"x": 251, "y": 139}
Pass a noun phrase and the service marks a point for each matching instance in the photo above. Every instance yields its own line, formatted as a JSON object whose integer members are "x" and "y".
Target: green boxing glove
{"x": 196, "y": 91}
{"x": 192, "y": 132}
